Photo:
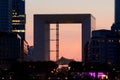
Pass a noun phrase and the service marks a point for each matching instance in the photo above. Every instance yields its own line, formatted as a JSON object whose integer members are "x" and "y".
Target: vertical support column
{"x": 57, "y": 41}
{"x": 86, "y": 34}
{"x": 41, "y": 40}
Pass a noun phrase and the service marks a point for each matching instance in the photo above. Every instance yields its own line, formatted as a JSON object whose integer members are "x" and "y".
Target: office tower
{"x": 18, "y": 23}
{"x": 10, "y": 48}
{"x": 116, "y": 26}
{"x": 12, "y": 16}
{"x": 103, "y": 47}
{"x": 117, "y": 11}
{"x": 12, "y": 22}
{"x": 5, "y": 15}
{"x": 18, "y": 17}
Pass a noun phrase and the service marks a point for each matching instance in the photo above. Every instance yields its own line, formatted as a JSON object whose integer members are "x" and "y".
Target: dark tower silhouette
{"x": 116, "y": 29}
{"x": 5, "y": 15}
{"x": 116, "y": 26}
{"x": 117, "y": 11}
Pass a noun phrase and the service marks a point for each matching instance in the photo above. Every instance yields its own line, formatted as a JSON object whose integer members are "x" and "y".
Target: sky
{"x": 102, "y": 10}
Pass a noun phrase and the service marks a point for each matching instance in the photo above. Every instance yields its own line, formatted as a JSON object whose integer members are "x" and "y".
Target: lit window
{"x": 16, "y": 21}
{"x": 119, "y": 41}
{"x": 109, "y": 40}
{"x": 112, "y": 40}
{"x": 18, "y": 30}
{"x": 21, "y": 15}
{"x": 18, "y": 15}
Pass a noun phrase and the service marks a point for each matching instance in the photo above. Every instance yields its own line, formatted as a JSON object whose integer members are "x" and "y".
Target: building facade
{"x": 18, "y": 17}
{"x": 10, "y": 48}
{"x": 24, "y": 50}
{"x": 12, "y": 17}
{"x": 104, "y": 47}
{"x": 42, "y": 31}
{"x": 12, "y": 22}
{"x": 5, "y": 15}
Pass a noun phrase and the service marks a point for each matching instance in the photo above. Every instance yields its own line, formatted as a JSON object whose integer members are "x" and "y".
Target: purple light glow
{"x": 100, "y": 74}
{"x": 92, "y": 74}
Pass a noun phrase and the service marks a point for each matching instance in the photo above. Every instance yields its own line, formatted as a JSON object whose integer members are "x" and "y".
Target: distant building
{"x": 116, "y": 29}
{"x": 29, "y": 56}
{"x": 10, "y": 48}
{"x": 103, "y": 47}
{"x": 24, "y": 49}
{"x": 5, "y": 15}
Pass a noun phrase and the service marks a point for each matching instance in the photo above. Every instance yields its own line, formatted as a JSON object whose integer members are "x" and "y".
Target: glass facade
{"x": 5, "y": 15}
{"x": 10, "y": 48}
{"x": 12, "y": 16}
{"x": 18, "y": 17}
{"x": 104, "y": 47}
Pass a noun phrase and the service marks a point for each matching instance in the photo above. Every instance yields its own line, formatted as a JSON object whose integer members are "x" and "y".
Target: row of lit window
{"x": 97, "y": 41}
{"x": 18, "y": 16}
{"x": 18, "y": 30}
{"x": 18, "y": 23}
{"x": 14, "y": 13}
{"x": 117, "y": 30}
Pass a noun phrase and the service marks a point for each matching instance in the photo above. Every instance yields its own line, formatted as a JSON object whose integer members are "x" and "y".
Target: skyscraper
{"x": 18, "y": 17}
{"x": 10, "y": 48}
{"x": 12, "y": 16}
{"x": 116, "y": 26}
{"x": 12, "y": 22}
{"x": 103, "y": 47}
{"x": 5, "y": 15}
{"x": 117, "y": 11}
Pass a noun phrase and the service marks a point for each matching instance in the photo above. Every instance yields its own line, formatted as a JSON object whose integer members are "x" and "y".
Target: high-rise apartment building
{"x": 18, "y": 17}
{"x": 5, "y": 15}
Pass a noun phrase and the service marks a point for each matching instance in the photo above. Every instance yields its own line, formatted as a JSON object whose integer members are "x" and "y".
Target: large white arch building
{"x": 42, "y": 31}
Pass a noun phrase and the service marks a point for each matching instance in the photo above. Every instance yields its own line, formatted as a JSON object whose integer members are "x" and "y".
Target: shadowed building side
{"x": 5, "y": 16}
{"x": 116, "y": 26}
{"x": 117, "y": 11}
{"x": 10, "y": 48}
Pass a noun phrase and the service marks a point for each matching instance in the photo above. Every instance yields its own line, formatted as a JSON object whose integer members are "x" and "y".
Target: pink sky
{"x": 102, "y": 10}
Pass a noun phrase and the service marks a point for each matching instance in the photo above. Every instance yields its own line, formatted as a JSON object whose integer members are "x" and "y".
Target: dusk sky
{"x": 102, "y": 10}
